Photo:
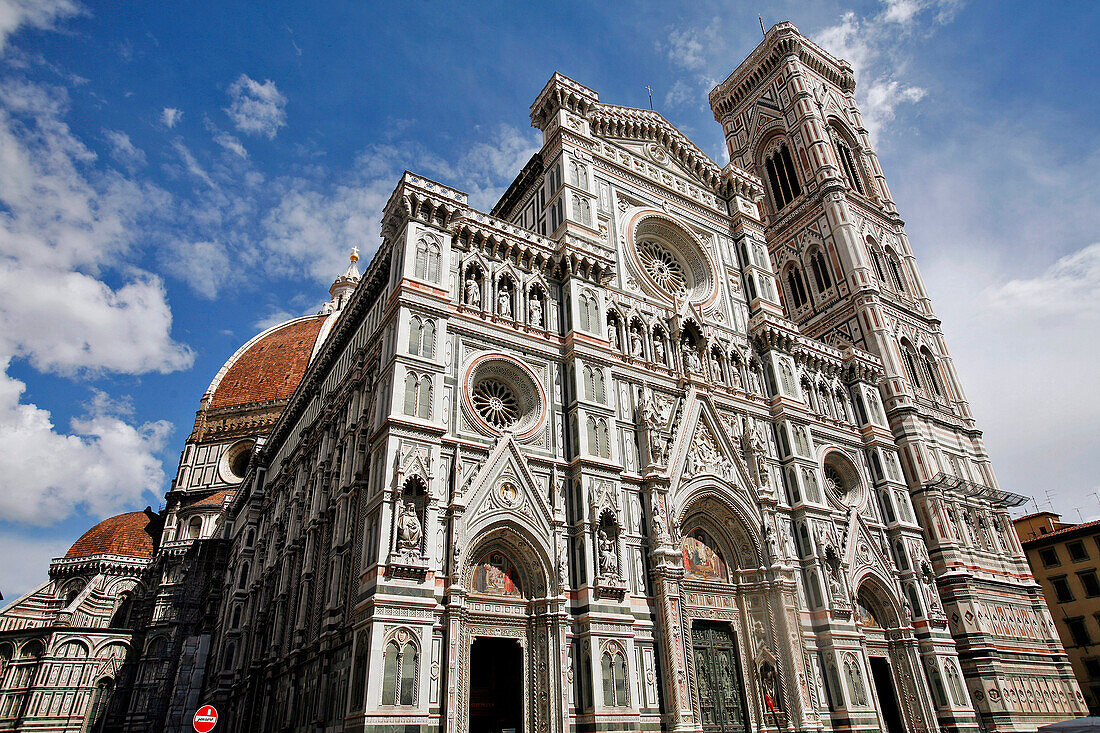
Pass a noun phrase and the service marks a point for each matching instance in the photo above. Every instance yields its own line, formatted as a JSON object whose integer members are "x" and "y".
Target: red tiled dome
{"x": 270, "y": 366}
{"x": 129, "y": 535}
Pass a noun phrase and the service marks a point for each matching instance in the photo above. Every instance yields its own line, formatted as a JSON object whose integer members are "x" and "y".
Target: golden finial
{"x": 354, "y": 256}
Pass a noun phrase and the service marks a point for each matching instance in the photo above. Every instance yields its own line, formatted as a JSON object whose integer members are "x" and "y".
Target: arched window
{"x": 820, "y": 266}
{"x": 909, "y": 356}
{"x": 914, "y": 600}
{"x": 589, "y": 383}
{"x": 399, "y": 674}
{"x": 782, "y": 179}
{"x": 936, "y": 681}
{"x": 603, "y": 445}
{"x": 793, "y": 496}
{"x": 411, "y": 383}
{"x": 242, "y": 578}
{"x": 414, "y": 335}
{"x": 97, "y": 711}
{"x": 796, "y": 288}
{"x": 848, "y": 165}
{"x": 194, "y": 528}
{"x": 932, "y": 371}
{"x": 427, "y": 261}
{"x": 854, "y": 672}
{"x": 614, "y": 678}
{"x": 597, "y": 380}
{"x": 250, "y": 538}
{"x": 235, "y": 623}
{"x": 954, "y": 682}
{"x": 593, "y": 442}
{"x": 359, "y": 673}
{"x": 896, "y": 275}
{"x": 424, "y": 398}
{"x": 887, "y": 505}
{"x": 788, "y": 378}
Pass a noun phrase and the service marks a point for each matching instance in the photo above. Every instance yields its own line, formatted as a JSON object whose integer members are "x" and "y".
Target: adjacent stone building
{"x": 1065, "y": 559}
{"x": 653, "y": 445}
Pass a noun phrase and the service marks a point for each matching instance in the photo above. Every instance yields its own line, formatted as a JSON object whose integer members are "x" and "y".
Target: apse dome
{"x": 130, "y": 535}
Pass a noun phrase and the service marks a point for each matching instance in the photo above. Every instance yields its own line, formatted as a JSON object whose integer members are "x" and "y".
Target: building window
{"x": 1061, "y": 589}
{"x": 1090, "y": 583}
{"x": 422, "y": 337}
{"x": 1092, "y": 667}
{"x": 782, "y": 177}
{"x": 418, "y": 396}
{"x": 1077, "y": 551}
{"x": 1078, "y": 631}
{"x": 847, "y": 162}
{"x": 399, "y": 674}
{"x": 427, "y": 261}
{"x": 820, "y": 266}
{"x": 796, "y": 287}
{"x": 1049, "y": 556}
{"x": 614, "y": 678}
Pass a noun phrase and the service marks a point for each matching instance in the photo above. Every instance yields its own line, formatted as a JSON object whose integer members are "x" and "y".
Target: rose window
{"x": 835, "y": 481}
{"x": 663, "y": 267}
{"x": 495, "y": 403}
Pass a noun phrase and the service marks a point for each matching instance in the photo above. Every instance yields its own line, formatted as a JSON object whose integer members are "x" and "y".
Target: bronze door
{"x": 718, "y": 677}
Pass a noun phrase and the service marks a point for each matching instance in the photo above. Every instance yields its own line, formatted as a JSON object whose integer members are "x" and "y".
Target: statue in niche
{"x": 612, "y": 335}
{"x": 832, "y": 564}
{"x": 771, "y": 539}
{"x": 929, "y": 578}
{"x": 409, "y": 529}
{"x": 609, "y": 565}
{"x": 473, "y": 292}
{"x": 635, "y": 343}
{"x": 691, "y": 360}
{"x": 504, "y": 302}
{"x": 754, "y": 449}
{"x": 658, "y": 349}
{"x": 534, "y": 311}
{"x": 715, "y": 368}
{"x": 735, "y": 375}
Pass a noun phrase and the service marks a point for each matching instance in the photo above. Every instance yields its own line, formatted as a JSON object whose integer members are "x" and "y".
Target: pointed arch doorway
{"x": 496, "y": 685}
{"x": 886, "y": 658}
{"x": 503, "y": 627}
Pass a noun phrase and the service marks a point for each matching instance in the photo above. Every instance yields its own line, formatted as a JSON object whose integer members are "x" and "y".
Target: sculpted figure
{"x": 473, "y": 292}
{"x": 635, "y": 343}
{"x": 504, "y": 302}
{"x": 658, "y": 349}
{"x": 691, "y": 360}
{"x": 612, "y": 337}
{"x": 409, "y": 530}
{"x": 608, "y": 563}
{"x": 534, "y": 311}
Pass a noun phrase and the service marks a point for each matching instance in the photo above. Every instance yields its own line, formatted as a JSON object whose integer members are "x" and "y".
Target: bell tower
{"x": 848, "y": 277}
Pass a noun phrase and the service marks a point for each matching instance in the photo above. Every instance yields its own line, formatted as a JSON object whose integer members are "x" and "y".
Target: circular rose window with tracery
{"x": 502, "y": 394}
{"x": 671, "y": 263}
{"x": 663, "y": 267}
{"x": 495, "y": 403}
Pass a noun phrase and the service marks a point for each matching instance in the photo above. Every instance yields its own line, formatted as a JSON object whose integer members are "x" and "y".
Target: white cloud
{"x": 102, "y": 465}
{"x": 124, "y": 151}
{"x": 170, "y": 116}
{"x": 72, "y": 302}
{"x": 42, "y": 14}
{"x": 255, "y": 108}
{"x": 34, "y": 553}
{"x": 204, "y": 265}
{"x": 191, "y": 164}
{"x": 868, "y": 44}
{"x": 230, "y": 143}
{"x": 1067, "y": 288}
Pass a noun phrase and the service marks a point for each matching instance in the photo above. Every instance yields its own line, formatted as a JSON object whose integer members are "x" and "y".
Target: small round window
{"x": 234, "y": 463}
{"x": 502, "y": 394}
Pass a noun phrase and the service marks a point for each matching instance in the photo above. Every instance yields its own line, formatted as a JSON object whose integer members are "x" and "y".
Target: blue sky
{"x": 175, "y": 177}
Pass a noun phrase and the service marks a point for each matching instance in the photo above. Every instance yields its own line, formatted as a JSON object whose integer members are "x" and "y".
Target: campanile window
{"x": 782, "y": 177}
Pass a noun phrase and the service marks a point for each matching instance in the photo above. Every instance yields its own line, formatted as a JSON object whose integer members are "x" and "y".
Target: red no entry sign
{"x": 205, "y": 719}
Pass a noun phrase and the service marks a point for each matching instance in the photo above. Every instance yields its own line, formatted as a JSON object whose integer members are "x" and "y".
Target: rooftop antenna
{"x": 761, "y": 19}
{"x": 1050, "y": 499}
{"x": 1079, "y": 517}
{"x": 649, "y": 89}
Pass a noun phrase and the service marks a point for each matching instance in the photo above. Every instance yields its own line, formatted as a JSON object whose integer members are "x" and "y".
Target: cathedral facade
{"x": 653, "y": 445}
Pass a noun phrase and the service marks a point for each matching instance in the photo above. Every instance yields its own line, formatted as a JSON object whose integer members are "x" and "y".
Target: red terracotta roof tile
{"x": 214, "y": 499}
{"x": 272, "y": 367}
{"x": 129, "y": 535}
